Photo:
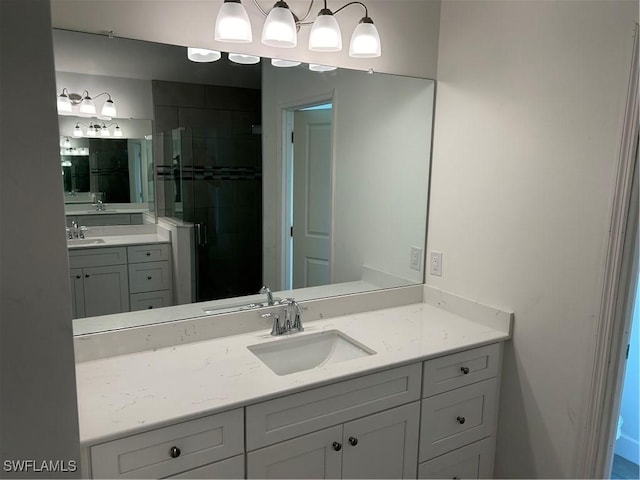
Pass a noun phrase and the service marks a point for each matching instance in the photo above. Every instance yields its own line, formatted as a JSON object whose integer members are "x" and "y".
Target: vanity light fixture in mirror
{"x": 85, "y": 104}
{"x": 281, "y": 26}
{"x": 203, "y": 55}
{"x": 97, "y": 130}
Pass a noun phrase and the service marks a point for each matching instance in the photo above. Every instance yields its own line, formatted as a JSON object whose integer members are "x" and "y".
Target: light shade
{"x": 64, "y": 104}
{"x": 325, "y": 33}
{"x": 202, "y": 55}
{"x": 77, "y": 131}
{"x": 232, "y": 23}
{"x": 92, "y": 131}
{"x": 109, "y": 109}
{"x": 321, "y": 68}
{"x": 365, "y": 41}
{"x": 277, "y": 62}
{"x": 87, "y": 106}
{"x": 244, "y": 59}
{"x": 117, "y": 132}
{"x": 280, "y": 27}
{"x": 104, "y": 131}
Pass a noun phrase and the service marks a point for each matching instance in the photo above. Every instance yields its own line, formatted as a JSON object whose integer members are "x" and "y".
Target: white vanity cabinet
{"x": 208, "y": 447}
{"x": 459, "y": 414}
{"x": 108, "y": 280}
{"x": 99, "y": 281}
{"x": 372, "y": 430}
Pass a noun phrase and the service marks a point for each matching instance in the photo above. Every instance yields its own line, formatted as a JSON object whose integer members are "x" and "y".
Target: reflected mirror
{"x": 313, "y": 184}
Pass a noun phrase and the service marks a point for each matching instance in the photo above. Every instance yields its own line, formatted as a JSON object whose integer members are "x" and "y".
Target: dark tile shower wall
{"x": 221, "y": 179}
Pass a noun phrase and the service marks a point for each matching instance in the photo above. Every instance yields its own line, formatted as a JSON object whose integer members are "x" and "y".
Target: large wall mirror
{"x": 312, "y": 183}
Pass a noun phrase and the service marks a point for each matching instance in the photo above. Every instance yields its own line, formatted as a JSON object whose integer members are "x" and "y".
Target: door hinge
{"x": 291, "y": 136}
{"x": 291, "y": 231}
{"x": 626, "y": 355}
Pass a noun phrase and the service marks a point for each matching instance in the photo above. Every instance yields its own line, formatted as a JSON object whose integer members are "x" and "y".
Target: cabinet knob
{"x": 148, "y": 277}
{"x": 353, "y": 441}
{"x": 148, "y": 254}
{"x": 150, "y": 307}
{"x": 174, "y": 452}
{"x": 464, "y": 370}
{"x": 78, "y": 276}
{"x": 456, "y": 478}
{"x": 461, "y": 420}
{"x": 86, "y": 275}
{"x": 337, "y": 446}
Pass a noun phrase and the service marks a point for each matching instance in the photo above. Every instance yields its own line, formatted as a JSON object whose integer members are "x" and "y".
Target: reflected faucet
{"x": 266, "y": 290}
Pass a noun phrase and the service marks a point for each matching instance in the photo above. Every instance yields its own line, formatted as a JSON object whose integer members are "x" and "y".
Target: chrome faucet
{"x": 75, "y": 231}
{"x": 266, "y": 290}
{"x": 292, "y": 319}
{"x": 100, "y": 206}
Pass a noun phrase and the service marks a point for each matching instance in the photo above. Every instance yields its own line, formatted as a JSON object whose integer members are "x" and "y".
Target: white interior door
{"x": 312, "y": 153}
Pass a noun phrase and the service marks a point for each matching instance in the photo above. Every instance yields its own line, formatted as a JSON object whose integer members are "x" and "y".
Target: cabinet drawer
{"x": 229, "y": 468}
{"x": 149, "y": 300}
{"x": 148, "y": 253}
{"x": 97, "y": 257}
{"x": 453, "y": 419}
{"x": 286, "y": 417}
{"x": 460, "y": 369}
{"x": 147, "y": 277}
{"x": 472, "y": 461}
{"x": 147, "y": 455}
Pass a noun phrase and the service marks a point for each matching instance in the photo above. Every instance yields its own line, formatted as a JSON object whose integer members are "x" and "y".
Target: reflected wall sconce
{"x": 281, "y": 27}
{"x": 96, "y": 130}
{"x": 85, "y": 104}
{"x": 202, "y": 55}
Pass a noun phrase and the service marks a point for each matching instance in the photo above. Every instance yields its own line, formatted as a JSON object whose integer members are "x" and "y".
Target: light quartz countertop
{"x": 112, "y": 211}
{"x": 117, "y": 241}
{"x": 131, "y": 393}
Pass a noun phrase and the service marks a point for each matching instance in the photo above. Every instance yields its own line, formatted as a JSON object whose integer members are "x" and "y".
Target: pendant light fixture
{"x": 279, "y": 28}
{"x": 232, "y": 23}
{"x": 85, "y": 105}
{"x": 325, "y": 33}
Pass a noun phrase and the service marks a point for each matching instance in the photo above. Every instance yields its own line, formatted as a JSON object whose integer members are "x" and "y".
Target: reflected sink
{"x": 298, "y": 353}
{"x": 84, "y": 241}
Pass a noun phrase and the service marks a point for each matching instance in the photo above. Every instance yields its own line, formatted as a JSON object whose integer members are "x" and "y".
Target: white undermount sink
{"x": 298, "y": 353}
{"x": 85, "y": 241}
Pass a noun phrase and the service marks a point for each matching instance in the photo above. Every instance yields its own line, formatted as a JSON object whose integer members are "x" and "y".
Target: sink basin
{"x": 84, "y": 241}
{"x": 304, "y": 352}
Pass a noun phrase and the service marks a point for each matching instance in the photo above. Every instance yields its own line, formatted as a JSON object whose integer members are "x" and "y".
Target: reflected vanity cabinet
{"x": 120, "y": 279}
{"x": 434, "y": 419}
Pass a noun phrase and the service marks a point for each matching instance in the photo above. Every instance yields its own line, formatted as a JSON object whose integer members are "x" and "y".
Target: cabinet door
{"x": 77, "y": 292}
{"x": 384, "y": 445}
{"x": 106, "y": 290}
{"x": 309, "y": 456}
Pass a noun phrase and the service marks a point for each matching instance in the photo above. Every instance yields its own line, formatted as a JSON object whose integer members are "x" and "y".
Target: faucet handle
{"x": 276, "y": 329}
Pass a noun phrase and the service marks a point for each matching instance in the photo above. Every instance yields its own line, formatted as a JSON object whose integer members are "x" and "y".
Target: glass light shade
{"x": 117, "y": 132}
{"x": 280, "y": 27}
{"x": 277, "y": 62}
{"x": 77, "y": 131}
{"x": 64, "y": 104}
{"x": 109, "y": 109}
{"x": 325, "y": 34}
{"x": 244, "y": 59}
{"x": 365, "y": 41}
{"x": 321, "y": 68}
{"x": 91, "y": 131}
{"x": 87, "y": 106}
{"x": 66, "y": 143}
{"x": 232, "y": 23}
{"x": 202, "y": 55}
{"x": 104, "y": 131}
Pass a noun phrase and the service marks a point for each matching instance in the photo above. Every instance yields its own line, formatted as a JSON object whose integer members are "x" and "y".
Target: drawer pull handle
{"x": 148, "y": 254}
{"x": 78, "y": 276}
{"x": 86, "y": 275}
{"x": 461, "y": 420}
{"x": 464, "y": 370}
{"x": 353, "y": 441}
{"x": 148, "y": 277}
{"x": 174, "y": 452}
{"x": 456, "y": 478}
{"x": 336, "y": 446}
{"x": 150, "y": 307}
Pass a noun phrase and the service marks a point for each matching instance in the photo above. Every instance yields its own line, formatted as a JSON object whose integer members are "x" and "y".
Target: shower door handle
{"x": 201, "y": 236}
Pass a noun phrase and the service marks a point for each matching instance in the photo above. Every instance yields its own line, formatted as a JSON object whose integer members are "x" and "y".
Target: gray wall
{"x": 38, "y": 413}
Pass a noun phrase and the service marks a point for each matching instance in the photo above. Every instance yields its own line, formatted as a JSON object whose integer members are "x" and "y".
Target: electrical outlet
{"x": 436, "y": 264}
{"x": 416, "y": 258}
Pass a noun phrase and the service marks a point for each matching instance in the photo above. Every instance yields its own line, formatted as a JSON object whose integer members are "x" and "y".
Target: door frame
{"x": 620, "y": 274}
{"x": 284, "y": 245}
